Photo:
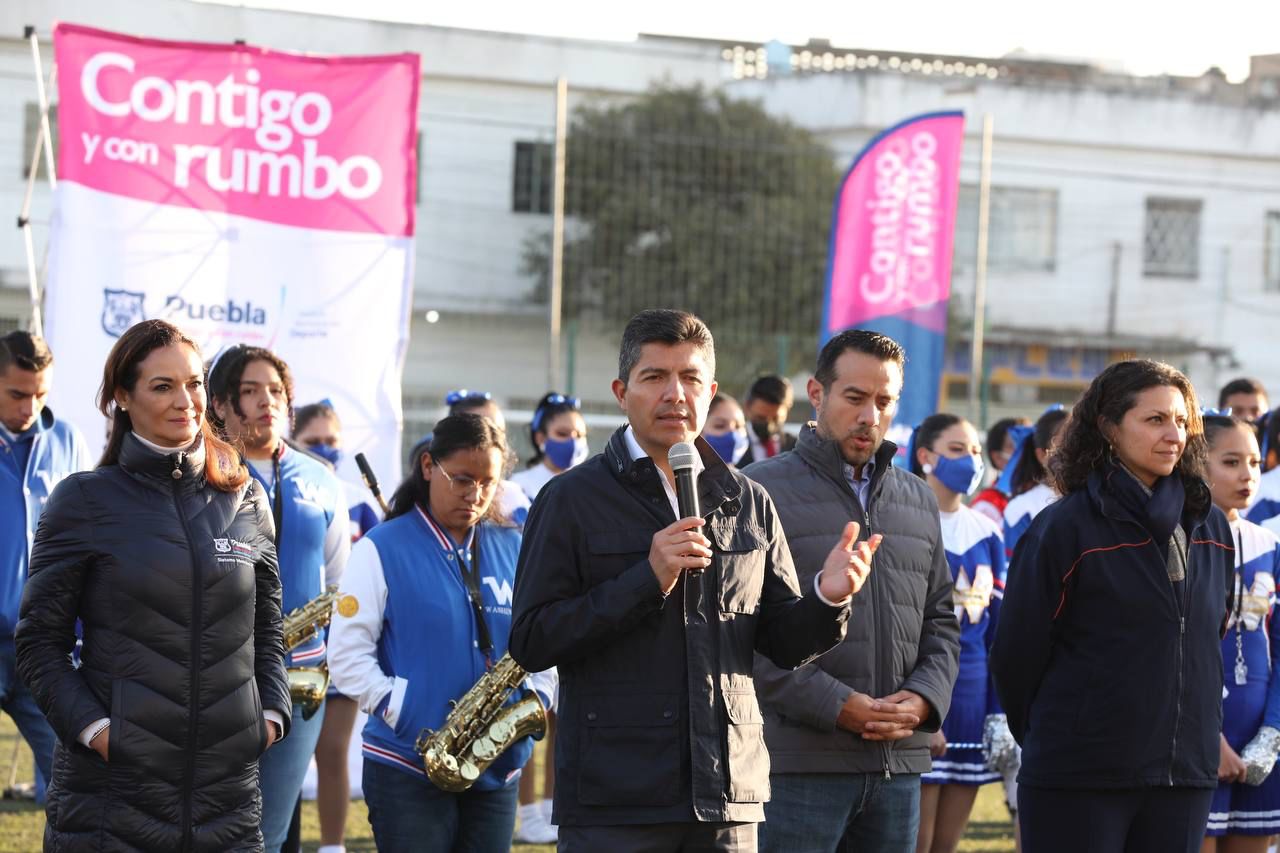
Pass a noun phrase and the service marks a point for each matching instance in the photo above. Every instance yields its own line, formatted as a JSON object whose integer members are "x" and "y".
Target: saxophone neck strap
{"x": 471, "y": 576}
{"x": 469, "y": 569}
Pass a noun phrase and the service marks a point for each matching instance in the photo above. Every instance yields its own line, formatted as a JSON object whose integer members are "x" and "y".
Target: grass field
{"x": 22, "y": 823}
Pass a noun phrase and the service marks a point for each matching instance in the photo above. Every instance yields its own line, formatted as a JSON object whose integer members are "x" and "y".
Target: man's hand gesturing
{"x": 848, "y": 564}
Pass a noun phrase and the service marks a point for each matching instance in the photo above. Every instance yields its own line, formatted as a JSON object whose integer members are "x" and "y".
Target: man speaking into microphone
{"x": 653, "y": 616}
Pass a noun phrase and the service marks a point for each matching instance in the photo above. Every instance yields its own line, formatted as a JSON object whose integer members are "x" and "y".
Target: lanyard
{"x": 471, "y": 575}
{"x": 1241, "y": 672}
{"x": 276, "y": 492}
{"x": 471, "y": 579}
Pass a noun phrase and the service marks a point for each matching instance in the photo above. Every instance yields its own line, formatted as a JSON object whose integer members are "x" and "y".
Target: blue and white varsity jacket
{"x": 1251, "y": 640}
{"x": 313, "y": 538}
{"x": 975, "y": 553}
{"x": 1022, "y": 510}
{"x": 404, "y": 641}
{"x": 56, "y": 449}
{"x": 1267, "y": 504}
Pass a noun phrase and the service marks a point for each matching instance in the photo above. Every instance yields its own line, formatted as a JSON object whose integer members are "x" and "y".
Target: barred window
{"x": 1023, "y": 233}
{"x": 1171, "y": 238}
{"x": 1271, "y": 250}
{"x": 531, "y": 191}
{"x": 30, "y": 128}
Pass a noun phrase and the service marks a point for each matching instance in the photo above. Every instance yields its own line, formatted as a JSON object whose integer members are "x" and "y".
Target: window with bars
{"x": 1023, "y": 234}
{"x": 30, "y": 129}
{"x": 1171, "y": 238}
{"x": 1271, "y": 250}
{"x": 531, "y": 188}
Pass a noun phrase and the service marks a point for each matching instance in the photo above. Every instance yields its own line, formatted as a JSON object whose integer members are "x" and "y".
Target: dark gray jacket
{"x": 903, "y": 632}
{"x": 658, "y": 719}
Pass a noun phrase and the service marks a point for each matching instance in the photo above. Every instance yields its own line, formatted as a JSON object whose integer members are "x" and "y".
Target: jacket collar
{"x": 42, "y": 424}
{"x": 823, "y": 455}
{"x": 141, "y": 461}
{"x": 1102, "y": 495}
{"x": 716, "y": 484}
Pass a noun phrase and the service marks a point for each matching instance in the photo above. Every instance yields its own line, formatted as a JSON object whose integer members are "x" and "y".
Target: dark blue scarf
{"x": 1159, "y": 513}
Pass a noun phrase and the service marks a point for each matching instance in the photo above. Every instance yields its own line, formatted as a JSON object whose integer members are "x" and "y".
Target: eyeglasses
{"x": 552, "y": 400}
{"x": 462, "y": 395}
{"x": 463, "y": 486}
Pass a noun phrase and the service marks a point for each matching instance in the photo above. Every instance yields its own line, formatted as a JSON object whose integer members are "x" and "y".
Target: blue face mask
{"x": 565, "y": 453}
{"x": 332, "y": 455}
{"x": 962, "y": 475}
{"x": 729, "y": 445}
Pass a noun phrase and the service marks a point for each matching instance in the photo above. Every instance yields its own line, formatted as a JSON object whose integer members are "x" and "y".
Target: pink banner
{"x": 893, "y": 227}
{"x": 315, "y": 142}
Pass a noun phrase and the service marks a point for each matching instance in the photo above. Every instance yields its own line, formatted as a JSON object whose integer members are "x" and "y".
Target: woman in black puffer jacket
{"x": 165, "y": 555}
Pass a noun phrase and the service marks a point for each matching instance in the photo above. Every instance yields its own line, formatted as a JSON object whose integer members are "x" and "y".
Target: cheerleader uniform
{"x": 1251, "y": 695}
{"x": 975, "y": 554}
{"x": 1022, "y": 510}
{"x": 1267, "y": 503}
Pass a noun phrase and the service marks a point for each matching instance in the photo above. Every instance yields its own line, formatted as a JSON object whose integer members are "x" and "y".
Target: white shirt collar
{"x": 637, "y": 452}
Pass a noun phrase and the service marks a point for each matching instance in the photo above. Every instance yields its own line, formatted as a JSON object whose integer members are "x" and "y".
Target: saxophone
{"x": 308, "y": 684}
{"x": 481, "y": 727}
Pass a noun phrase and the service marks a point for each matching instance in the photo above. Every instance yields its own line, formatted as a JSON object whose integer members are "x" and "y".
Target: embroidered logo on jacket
{"x": 311, "y": 493}
{"x": 234, "y": 547}
{"x": 501, "y": 591}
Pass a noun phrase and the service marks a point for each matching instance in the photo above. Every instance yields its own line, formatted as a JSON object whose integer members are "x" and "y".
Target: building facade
{"x": 1128, "y": 215}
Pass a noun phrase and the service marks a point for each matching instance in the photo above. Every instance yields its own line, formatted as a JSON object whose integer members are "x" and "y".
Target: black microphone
{"x": 681, "y": 457}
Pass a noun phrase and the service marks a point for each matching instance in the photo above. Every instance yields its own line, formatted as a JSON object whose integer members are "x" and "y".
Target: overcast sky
{"x": 1143, "y": 36}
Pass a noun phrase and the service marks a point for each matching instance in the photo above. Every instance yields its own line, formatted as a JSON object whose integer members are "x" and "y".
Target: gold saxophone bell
{"x": 308, "y": 684}
{"x": 307, "y": 687}
{"x": 480, "y": 728}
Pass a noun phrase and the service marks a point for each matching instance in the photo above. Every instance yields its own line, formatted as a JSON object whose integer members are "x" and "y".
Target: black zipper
{"x": 193, "y": 707}
{"x": 885, "y": 746}
{"x": 866, "y": 526}
{"x": 1180, "y": 608}
{"x": 1182, "y": 638}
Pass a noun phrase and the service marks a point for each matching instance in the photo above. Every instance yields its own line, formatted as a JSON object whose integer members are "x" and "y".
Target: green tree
{"x": 689, "y": 198}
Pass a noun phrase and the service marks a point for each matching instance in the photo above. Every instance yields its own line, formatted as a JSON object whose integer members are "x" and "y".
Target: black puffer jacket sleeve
{"x": 46, "y": 635}
{"x": 268, "y": 633}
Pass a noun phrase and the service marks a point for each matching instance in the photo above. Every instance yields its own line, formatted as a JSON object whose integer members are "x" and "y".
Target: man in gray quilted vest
{"x": 848, "y": 734}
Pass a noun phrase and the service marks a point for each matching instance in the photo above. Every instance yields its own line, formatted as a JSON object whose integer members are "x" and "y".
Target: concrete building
{"x": 1128, "y": 214}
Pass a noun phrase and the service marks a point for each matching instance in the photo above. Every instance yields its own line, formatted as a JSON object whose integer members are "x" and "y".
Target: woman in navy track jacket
{"x": 1107, "y": 658}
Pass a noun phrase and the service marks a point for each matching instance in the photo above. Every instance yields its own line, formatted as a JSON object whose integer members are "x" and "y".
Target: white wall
{"x": 1104, "y": 152}
{"x": 1103, "y": 149}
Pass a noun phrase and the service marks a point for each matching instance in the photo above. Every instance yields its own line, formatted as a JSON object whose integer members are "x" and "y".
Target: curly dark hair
{"x": 1082, "y": 448}
{"x": 223, "y": 375}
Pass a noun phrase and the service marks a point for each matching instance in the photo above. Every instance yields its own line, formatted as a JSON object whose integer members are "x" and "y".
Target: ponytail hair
{"x": 551, "y": 406}
{"x": 451, "y": 434}
{"x": 1216, "y": 422}
{"x": 223, "y": 469}
{"x": 925, "y": 435}
{"x": 1029, "y": 472}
